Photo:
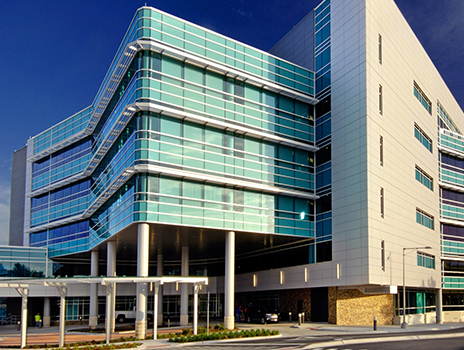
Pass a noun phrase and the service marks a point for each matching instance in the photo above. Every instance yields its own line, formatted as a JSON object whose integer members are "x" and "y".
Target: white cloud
{"x": 246, "y": 14}
{"x": 239, "y": 8}
{"x": 4, "y": 212}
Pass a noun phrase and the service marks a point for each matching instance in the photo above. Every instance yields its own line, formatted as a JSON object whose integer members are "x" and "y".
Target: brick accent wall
{"x": 288, "y": 301}
{"x": 352, "y": 307}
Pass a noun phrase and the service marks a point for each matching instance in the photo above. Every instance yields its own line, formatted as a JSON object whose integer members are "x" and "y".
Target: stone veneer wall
{"x": 352, "y": 307}
{"x": 288, "y": 301}
{"x": 333, "y": 305}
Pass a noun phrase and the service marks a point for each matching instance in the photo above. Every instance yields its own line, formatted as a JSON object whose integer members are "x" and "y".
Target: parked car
{"x": 261, "y": 314}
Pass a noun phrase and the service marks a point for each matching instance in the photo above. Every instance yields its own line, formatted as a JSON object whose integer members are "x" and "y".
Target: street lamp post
{"x": 404, "y": 324}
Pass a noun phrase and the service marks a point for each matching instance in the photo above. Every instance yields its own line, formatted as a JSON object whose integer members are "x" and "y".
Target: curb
{"x": 208, "y": 342}
{"x": 381, "y": 340}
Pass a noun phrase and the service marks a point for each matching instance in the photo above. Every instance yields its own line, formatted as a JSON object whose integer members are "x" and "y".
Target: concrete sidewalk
{"x": 326, "y": 335}
{"x": 325, "y": 329}
{"x": 10, "y": 336}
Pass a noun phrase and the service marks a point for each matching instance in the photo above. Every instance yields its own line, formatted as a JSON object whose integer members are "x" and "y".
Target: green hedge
{"x": 179, "y": 338}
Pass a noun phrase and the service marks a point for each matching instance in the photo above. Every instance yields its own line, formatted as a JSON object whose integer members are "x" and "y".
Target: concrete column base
{"x": 184, "y": 320}
{"x": 160, "y": 319}
{"x": 93, "y": 322}
{"x": 46, "y": 321}
{"x": 141, "y": 329}
{"x": 229, "y": 322}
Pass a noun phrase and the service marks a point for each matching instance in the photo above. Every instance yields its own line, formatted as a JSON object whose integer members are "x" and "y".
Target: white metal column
{"x": 109, "y": 310}
{"x": 62, "y": 291}
{"x": 24, "y": 292}
{"x": 111, "y": 272}
{"x": 156, "y": 290}
{"x": 196, "y": 290}
{"x": 184, "y": 287}
{"x": 159, "y": 273}
{"x": 142, "y": 288}
{"x": 229, "y": 281}
{"x": 93, "y": 310}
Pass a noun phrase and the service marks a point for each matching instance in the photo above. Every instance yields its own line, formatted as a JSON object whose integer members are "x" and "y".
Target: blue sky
{"x": 54, "y": 54}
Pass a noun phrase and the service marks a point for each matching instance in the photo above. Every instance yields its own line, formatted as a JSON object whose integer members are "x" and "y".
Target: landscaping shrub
{"x": 218, "y": 335}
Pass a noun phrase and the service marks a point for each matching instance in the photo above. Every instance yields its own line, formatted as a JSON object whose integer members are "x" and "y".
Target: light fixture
{"x": 404, "y": 324}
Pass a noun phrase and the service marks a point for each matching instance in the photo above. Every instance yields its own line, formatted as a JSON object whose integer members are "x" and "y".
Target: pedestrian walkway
{"x": 10, "y": 336}
{"x": 324, "y": 329}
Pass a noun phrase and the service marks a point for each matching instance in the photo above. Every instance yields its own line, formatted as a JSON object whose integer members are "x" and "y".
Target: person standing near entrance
{"x": 37, "y": 320}
{"x": 238, "y": 313}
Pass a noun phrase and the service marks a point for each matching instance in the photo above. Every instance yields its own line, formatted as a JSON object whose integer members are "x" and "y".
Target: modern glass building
{"x": 192, "y": 137}
{"x": 189, "y": 128}
{"x": 296, "y": 179}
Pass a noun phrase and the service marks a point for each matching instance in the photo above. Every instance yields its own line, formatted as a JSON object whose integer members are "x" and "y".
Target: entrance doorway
{"x": 320, "y": 304}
